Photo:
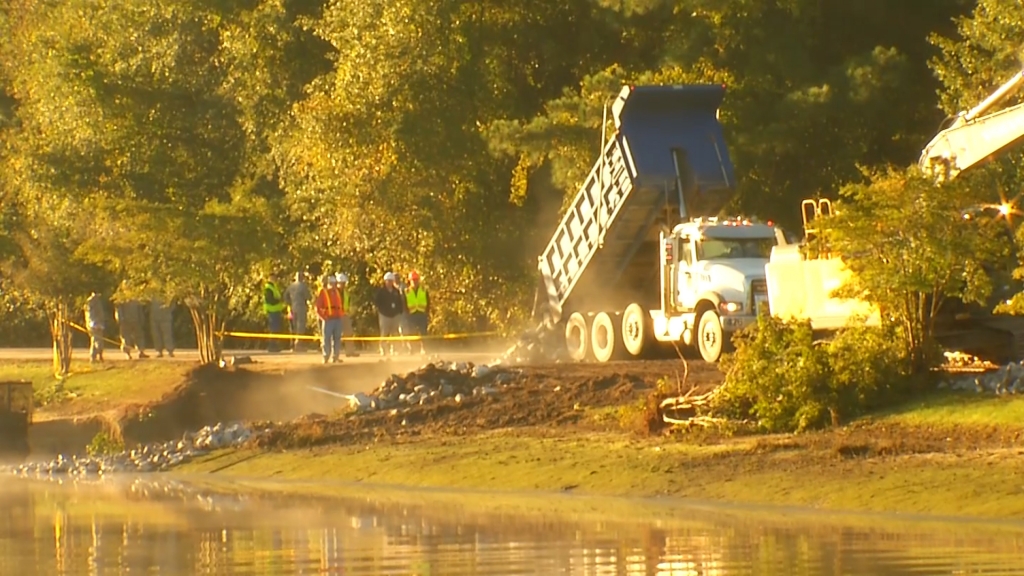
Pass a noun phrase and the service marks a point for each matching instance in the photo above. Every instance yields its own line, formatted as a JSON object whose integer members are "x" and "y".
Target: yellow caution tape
{"x": 313, "y": 337}
{"x": 84, "y": 331}
{"x": 359, "y": 338}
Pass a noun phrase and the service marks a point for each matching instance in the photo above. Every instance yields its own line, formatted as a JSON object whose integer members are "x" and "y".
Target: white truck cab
{"x": 713, "y": 281}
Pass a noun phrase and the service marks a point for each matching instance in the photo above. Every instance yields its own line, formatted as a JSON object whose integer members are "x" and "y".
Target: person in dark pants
{"x": 273, "y": 307}
{"x": 297, "y": 297}
{"x": 418, "y": 306}
{"x": 390, "y": 304}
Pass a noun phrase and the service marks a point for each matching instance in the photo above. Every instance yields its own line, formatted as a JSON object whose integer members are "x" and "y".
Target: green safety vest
{"x": 269, "y": 308}
{"x": 345, "y": 303}
{"x": 416, "y": 300}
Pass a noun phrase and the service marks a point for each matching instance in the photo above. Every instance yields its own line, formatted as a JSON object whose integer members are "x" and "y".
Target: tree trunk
{"x": 205, "y": 323}
{"x": 60, "y": 333}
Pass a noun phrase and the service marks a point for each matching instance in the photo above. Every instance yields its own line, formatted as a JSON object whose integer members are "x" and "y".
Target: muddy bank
{"x": 452, "y": 402}
{"x": 207, "y": 396}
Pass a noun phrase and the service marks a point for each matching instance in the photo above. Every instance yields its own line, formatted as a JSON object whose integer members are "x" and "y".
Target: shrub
{"x": 105, "y": 444}
{"x": 784, "y": 380}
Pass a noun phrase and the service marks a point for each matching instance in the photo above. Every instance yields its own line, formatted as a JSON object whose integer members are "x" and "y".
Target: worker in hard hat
{"x": 417, "y": 304}
{"x": 273, "y": 307}
{"x": 390, "y": 304}
{"x": 346, "y": 314}
{"x": 329, "y": 308}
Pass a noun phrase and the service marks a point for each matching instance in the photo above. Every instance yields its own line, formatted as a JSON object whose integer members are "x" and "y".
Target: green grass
{"x": 610, "y": 465}
{"x": 92, "y": 389}
{"x": 960, "y": 408}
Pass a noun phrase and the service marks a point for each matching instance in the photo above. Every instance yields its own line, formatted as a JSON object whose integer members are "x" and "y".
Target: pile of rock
{"x": 148, "y": 458}
{"x": 961, "y": 361}
{"x": 1007, "y": 379}
{"x": 433, "y": 383}
{"x": 541, "y": 344}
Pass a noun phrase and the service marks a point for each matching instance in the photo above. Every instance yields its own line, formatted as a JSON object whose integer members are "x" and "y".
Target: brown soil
{"x": 557, "y": 395}
{"x": 209, "y": 395}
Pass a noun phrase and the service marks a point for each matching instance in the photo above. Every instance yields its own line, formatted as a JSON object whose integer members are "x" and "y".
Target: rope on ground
{"x": 260, "y": 335}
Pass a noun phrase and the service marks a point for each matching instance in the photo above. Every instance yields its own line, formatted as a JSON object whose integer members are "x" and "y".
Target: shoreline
{"x": 955, "y": 485}
{"x": 557, "y": 429}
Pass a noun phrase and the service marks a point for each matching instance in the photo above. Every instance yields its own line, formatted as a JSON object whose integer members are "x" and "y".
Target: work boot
{"x": 170, "y": 353}
{"x": 159, "y": 354}
{"x": 325, "y": 360}
{"x": 142, "y": 355}
{"x": 336, "y": 360}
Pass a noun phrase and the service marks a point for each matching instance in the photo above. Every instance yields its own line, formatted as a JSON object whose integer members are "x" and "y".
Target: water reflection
{"x": 170, "y": 528}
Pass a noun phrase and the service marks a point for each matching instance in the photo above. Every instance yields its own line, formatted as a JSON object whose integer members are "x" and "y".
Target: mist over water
{"x": 158, "y": 526}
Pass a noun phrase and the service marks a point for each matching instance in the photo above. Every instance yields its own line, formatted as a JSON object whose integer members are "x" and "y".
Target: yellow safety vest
{"x": 416, "y": 300}
{"x": 267, "y": 307}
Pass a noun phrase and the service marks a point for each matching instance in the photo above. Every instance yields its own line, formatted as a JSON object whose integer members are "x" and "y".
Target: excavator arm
{"x": 974, "y": 136}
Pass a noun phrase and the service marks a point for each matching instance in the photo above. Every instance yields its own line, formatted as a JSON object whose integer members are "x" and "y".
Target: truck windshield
{"x": 724, "y": 248}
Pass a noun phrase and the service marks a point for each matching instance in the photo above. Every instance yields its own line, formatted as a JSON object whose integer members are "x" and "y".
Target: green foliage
{"x": 105, "y": 444}
{"x": 803, "y": 109}
{"x": 910, "y": 249}
{"x": 783, "y": 379}
{"x": 408, "y": 135}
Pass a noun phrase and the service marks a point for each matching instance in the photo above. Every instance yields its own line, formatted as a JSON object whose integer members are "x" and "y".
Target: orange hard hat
{"x": 414, "y": 276}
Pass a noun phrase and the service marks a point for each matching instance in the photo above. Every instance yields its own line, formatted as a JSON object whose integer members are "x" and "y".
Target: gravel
{"x": 1001, "y": 381}
{"x": 435, "y": 382}
{"x": 153, "y": 457}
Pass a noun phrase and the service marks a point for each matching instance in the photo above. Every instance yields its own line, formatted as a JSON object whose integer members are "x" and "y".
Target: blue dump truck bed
{"x": 666, "y": 162}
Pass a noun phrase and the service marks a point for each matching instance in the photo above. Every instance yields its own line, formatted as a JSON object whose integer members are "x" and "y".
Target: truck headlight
{"x": 730, "y": 307}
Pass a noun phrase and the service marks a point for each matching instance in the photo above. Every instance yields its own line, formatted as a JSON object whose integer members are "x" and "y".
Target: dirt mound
{"x": 552, "y": 395}
{"x": 210, "y": 395}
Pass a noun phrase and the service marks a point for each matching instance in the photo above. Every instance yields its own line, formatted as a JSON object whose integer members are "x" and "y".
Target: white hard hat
{"x": 342, "y": 278}
{"x": 389, "y": 276}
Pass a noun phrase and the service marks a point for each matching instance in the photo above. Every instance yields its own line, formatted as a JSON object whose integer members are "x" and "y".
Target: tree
{"x": 162, "y": 163}
{"x": 193, "y": 257}
{"x": 846, "y": 85}
{"x": 385, "y": 158}
{"x": 910, "y": 249}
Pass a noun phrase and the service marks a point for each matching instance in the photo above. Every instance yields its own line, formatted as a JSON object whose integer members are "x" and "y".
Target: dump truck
{"x": 801, "y": 282}
{"x": 16, "y": 405}
{"x": 640, "y": 255}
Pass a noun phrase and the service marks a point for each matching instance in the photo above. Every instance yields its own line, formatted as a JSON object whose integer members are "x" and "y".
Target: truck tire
{"x": 577, "y": 337}
{"x": 635, "y": 329}
{"x": 710, "y": 337}
{"x": 603, "y": 337}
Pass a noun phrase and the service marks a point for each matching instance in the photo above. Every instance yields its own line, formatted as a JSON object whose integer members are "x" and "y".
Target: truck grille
{"x": 759, "y": 286}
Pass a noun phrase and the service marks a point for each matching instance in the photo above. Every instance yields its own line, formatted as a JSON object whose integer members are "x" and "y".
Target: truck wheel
{"x": 710, "y": 336}
{"x": 602, "y": 337}
{"x": 577, "y": 337}
{"x": 634, "y": 329}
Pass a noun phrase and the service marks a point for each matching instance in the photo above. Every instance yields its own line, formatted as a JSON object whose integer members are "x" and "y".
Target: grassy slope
{"x": 99, "y": 388}
{"x": 989, "y": 484}
{"x": 961, "y": 408}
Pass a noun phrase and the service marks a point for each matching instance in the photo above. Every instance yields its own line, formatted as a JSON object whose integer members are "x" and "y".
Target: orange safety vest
{"x": 329, "y": 304}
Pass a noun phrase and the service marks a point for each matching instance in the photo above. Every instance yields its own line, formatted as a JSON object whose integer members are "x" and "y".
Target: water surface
{"x": 165, "y": 527}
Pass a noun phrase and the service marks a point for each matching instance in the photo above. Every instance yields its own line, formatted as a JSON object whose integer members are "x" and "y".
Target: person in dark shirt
{"x": 390, "y": 304}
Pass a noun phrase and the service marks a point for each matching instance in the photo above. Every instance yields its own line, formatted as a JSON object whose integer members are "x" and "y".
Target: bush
{"x": 105, "y": 443}
{"x": 784, "y": 380}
